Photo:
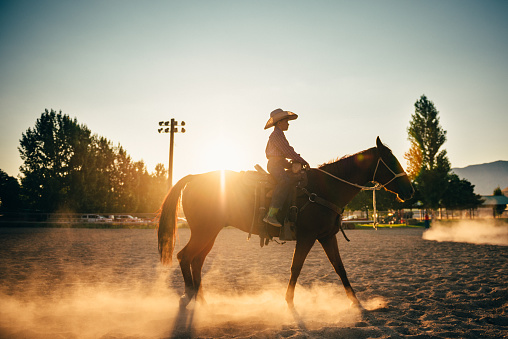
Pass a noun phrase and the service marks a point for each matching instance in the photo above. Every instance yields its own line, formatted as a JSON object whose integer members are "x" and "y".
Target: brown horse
{"x": 214, "y": 200}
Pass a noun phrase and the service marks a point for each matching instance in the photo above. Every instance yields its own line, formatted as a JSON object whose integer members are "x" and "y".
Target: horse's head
{"x": 390, "y": 173}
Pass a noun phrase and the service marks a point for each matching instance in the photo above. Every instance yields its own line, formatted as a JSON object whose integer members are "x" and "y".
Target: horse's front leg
{"x": 332, "y": 251}
{"x": 301, "y": 250}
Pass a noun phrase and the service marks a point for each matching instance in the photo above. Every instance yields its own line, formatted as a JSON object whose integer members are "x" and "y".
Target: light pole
{"x": 171, "y": 128}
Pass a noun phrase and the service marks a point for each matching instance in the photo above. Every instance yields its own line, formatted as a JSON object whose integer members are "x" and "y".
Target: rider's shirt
{"x": 278, "y": 146}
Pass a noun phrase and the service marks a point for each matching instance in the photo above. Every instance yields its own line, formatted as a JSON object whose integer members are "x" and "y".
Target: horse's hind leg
{"x": 332, "y": 251}
{"x": 189, "y": 255}
{"x": 302, "y": 249}
{"x": 196, "y": 266}
{"x": 184, "y": 258}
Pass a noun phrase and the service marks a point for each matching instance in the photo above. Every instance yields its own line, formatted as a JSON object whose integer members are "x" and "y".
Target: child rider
{"x": 278, "y": 151}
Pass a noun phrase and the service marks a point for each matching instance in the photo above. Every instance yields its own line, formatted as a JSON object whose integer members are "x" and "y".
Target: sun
{"x": 222, "y": 154}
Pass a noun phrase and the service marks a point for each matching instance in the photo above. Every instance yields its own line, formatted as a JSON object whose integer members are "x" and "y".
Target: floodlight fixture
{"x": 172, "y": 129}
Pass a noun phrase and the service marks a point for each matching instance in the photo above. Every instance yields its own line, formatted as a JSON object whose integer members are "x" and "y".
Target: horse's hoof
{"x": 356, "y": 304}
{"x": 184, "y": 301}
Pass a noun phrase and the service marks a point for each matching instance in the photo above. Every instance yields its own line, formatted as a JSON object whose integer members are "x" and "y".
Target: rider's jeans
{"x": 276, "y": 167}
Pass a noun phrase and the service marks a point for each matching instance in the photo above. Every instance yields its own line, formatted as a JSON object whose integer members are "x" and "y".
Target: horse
{"x": 217, "y": 199}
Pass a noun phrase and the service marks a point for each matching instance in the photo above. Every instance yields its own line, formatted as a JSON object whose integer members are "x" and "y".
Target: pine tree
{"x": 498, "y": 209}
{"x": 427, "y": 137}
{"x": 424, "y": 130}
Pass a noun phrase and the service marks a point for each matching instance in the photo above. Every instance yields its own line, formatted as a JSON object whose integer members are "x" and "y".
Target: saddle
{"x": 264, "y": 184}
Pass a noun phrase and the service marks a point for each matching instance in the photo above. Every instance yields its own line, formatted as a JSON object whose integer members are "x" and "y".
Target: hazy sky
{"x": 352, "y": 70}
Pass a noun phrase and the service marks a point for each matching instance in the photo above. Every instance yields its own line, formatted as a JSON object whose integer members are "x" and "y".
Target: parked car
{"x": 109, "y": 218}
{"x": 94, "y": 218}
{"x": 126, "y": 218}
{"x": 350, "y": 217}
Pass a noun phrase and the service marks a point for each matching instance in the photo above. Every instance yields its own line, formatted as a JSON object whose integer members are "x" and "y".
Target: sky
{"x": 351, "y": 70}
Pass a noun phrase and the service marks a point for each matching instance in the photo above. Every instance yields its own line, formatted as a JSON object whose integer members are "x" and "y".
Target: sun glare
{"x": 221, "y": 154}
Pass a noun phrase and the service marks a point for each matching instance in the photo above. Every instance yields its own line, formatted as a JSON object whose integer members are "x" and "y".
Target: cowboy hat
{"x": 278, "y": 115}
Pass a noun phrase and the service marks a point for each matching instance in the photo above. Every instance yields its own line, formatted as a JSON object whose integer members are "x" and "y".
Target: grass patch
{"x": 370, "y": 226}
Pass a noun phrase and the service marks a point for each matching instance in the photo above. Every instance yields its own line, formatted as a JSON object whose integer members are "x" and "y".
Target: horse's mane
{"x": 342, "y": 165}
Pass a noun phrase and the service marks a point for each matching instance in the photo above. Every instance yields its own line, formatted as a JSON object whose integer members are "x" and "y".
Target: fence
{"x": 419, "y": 215}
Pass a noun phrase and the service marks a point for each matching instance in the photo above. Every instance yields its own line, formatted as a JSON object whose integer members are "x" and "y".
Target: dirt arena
{"x": 82, "y": 283}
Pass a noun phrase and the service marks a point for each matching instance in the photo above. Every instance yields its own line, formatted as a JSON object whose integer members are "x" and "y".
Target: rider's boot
{"x": 271, "y": 217}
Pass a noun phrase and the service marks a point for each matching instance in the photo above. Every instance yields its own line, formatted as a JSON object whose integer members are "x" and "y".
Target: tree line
{"x": 67, "y": 168}
{"x": 428, "y": 168}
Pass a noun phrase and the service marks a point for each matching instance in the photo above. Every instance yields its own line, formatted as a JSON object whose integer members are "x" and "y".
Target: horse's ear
{"x": 379, "y": 144}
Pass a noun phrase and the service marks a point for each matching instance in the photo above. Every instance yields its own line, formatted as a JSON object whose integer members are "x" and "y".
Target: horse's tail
{"x": 168, "y": 220}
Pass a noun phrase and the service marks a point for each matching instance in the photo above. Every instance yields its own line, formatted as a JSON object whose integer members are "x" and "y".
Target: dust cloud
{"x": 488, "y": 232}
{"x": 132, "y": 310}
{"x": 85, "y": 311}
{"x": 78, "y": 283}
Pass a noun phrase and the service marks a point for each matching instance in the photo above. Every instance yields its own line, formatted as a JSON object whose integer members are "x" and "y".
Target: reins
{"x": 314, "y": 198}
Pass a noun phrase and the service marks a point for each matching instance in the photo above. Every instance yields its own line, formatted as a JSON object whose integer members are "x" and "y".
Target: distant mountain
{"x": 485, "y": 177}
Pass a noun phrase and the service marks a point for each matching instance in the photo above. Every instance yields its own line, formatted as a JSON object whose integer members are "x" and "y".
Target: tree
{"x": 49, "y": 153}
{"x": 9, "y": 193}
{"x": 425, "y": 134}
{"x": 361, "y": 202}
{"x": 498, "y": 209}
{"x": 424, "y": 130}
{"x": 158, "y": 188}
{"x": 67, "y": 168}
{"x": 414, "y": 159}
{"x": 460, "y": 194}
{"x": 433, "y": 183}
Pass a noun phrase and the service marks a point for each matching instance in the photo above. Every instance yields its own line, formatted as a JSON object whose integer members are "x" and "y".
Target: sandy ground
{"x": 79, "y": 283}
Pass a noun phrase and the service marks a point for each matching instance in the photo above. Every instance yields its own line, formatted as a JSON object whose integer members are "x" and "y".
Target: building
{"x": 492, "y": 200}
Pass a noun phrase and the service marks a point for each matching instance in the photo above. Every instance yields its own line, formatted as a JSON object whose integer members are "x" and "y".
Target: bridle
{"x": 395, "y": 175}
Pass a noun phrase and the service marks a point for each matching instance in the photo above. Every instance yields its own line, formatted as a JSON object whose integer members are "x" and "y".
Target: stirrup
{"x": 272, "y": 221}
